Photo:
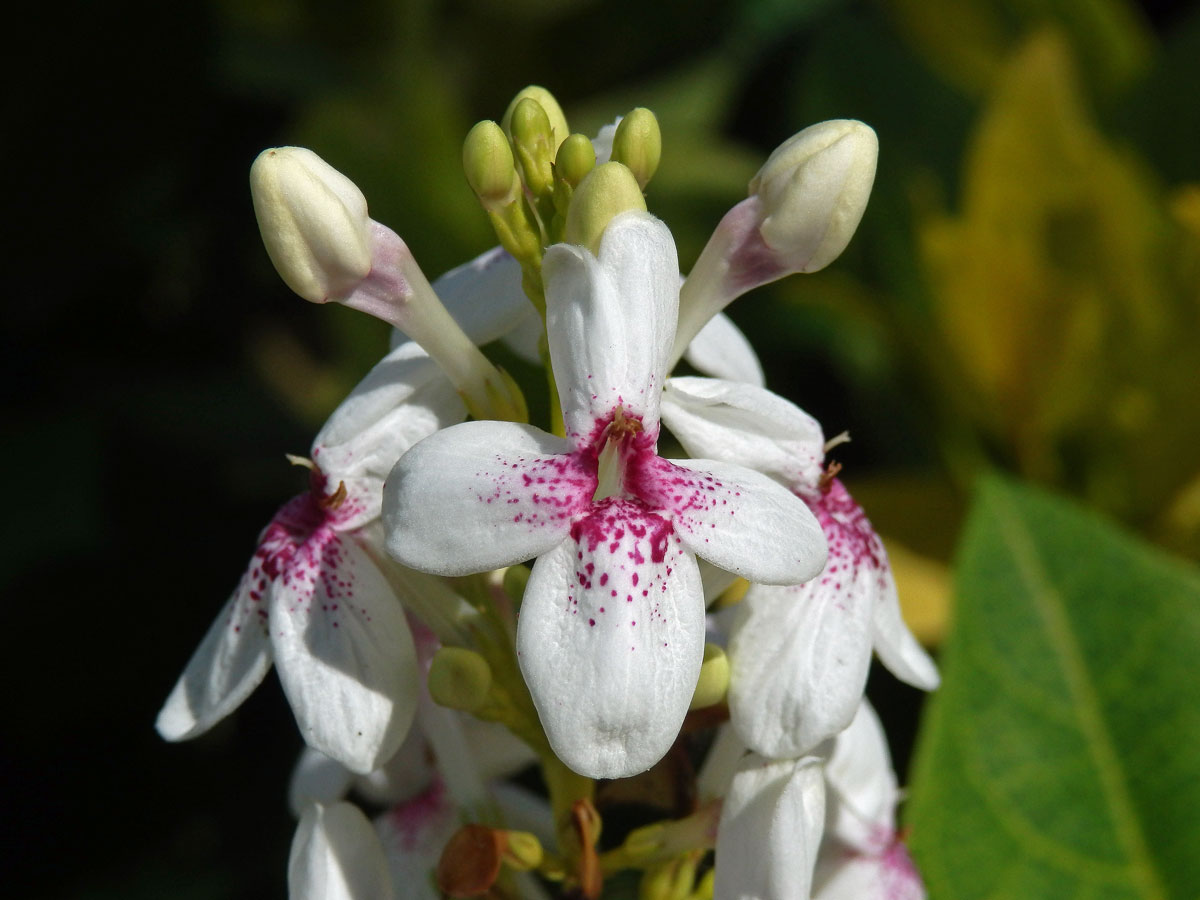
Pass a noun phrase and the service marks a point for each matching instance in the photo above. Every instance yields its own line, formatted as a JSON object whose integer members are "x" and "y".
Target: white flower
{"x": 799, "y": 654}
{"x": 862, "y": 857}
{"x": 611, "y": 628}
{"x": 313, "y": 600}
{"x": 771, "y": 824}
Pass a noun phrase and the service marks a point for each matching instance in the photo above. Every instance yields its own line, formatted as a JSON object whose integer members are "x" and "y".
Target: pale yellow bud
{"x": 605, "y": 193}
{"x": 638, "y": 144}
{"x": 459, "y": 678}
{"x": 714, "y": 678}
{"x": 535, "y": 144}
{"x": 814, "y": 189}
{"x": 576, "y": 157}
{"x": 558, "y": 121}
{"x": 489, "y": 167}
{"x": 313, "y": 221}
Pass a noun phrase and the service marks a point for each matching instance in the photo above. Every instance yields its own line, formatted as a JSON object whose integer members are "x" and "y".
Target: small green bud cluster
{"x": 539, "y": 183}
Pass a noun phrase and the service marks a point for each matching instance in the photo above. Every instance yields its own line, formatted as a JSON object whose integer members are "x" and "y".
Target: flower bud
{"x": 545, "y": 99}
{"x": 522, "y": 851}
{"x": 459, "y": 678}
{"x": 814, "y": 189}
{"x": 489, "y": 167}
{"x": 714, "y": 678}
{"x": 313, "y": 221}
{"x": 535, "y": 145}
{"x": 576, "y": 157}
{"x": 605, "y": 193}
{"x": 638, "y": 144}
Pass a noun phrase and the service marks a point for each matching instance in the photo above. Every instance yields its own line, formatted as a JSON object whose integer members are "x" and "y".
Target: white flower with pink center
{"x": 611, "y": 628}
{"x": 313, "y": 600}
{"x": 799, "y": 654}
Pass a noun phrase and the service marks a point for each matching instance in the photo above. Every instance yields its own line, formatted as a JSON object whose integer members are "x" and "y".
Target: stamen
{"x": 334, "y": 500}
{"x": 300, "y": 461}
{"x": 830, "y": 473}
{"x": 837, "y": 440}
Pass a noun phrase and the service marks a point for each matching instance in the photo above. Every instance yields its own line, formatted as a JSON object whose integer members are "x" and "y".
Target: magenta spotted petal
{"x": 611, "y": 630}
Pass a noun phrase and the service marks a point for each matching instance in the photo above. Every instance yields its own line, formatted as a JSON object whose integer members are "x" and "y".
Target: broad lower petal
{"x": 770, "y": 830}
{"x": 344, "y": 653}
{"x": 610, "y": 640}
{"x": 722, "y": 351}
{"x": 228, "y": 665}
{"x": 746, "y": 425}
{"x": 736, "y": 519}
{"x": 336, "y": 855}
{"x": 482, "y": 495}
{"x": 799, "y": 658}
{"x": 610, "y": 321}
{"x": 403, "y": 399}
{"x": 897, "y": 648}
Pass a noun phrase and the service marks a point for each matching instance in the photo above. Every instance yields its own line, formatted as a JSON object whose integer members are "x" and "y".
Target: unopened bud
{"x": 313, "y": 221}
{"x": 714, "y": 678}
{"x": 489, "y": 167}
{"x": 576, "y": 157}
{"x": 814, "y": 190}
{"x": 459, "y": 678}
{"x": 638, "y": 144}
{"x": 522, "y": 851}
{"x": 605, "y": 193}
{"x": 535, "y": 145}
{"x": 554, "y": 113}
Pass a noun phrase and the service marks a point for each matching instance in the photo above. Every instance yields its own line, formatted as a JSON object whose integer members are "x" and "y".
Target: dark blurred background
{"x": 157, "y": 370}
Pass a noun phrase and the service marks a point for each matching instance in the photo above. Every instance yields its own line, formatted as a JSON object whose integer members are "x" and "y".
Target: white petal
{"x": 484, "y": 296}
{"x": 737, "y": 519}
{"x": 227, "y": 666}
{"x": 610, "y": 640}
{"x": 720, "y": 765}
{"x": 897, "y": 648}
{"x": 402, "y": 400}
{"x": 721, "y": 350}
{"x": 483, "y": 495}
{"x": 891, "y": 876}
{"x": 336, "y": 855}
{"x": 747, "y": 425}
{"x": 610, "y": 321}
{"x": 344, "y": 653}
{"x": 770, "y": 830}
{"x": 413, "y": 836}
{"x": 862, "y": 786}
{"x": 402, "y": 777}
{"x": 799, "y": 658}
{"x": 525, "y": 337}
{"x": 316, "y": 779}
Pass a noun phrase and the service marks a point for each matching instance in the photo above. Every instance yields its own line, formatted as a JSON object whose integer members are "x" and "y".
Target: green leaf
{"x": 1059, "y": 759}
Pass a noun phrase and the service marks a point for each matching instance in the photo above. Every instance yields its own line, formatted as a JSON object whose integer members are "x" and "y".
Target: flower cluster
{"x": 455, "y": 601}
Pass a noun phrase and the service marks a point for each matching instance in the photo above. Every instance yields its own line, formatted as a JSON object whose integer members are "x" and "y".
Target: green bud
{"x": 638, "y": 144}
{"x": 554, "y": 113}
{"x": 670, "y": 880}
{"x": 534, "y": 142}
{"x": 714, "y": 678}
{"x": 489, "y": 166}
{"x": 605, "y": 193}
{"x": 576, "y": 157}
{"x": 459, "y": 678}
